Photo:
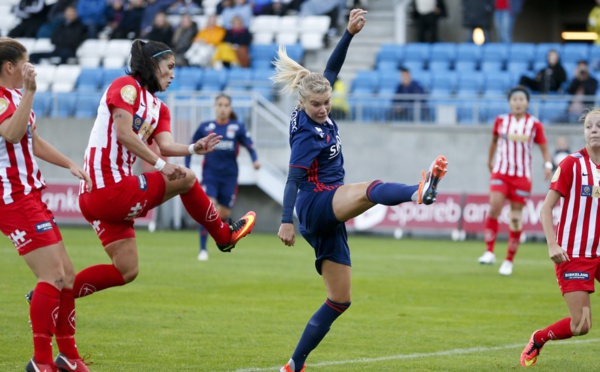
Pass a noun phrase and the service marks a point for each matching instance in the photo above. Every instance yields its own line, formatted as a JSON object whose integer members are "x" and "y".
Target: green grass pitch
{"x": 418, "y": 305}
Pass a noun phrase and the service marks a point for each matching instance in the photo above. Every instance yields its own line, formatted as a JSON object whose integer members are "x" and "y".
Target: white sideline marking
{"x": 423, "y": 355}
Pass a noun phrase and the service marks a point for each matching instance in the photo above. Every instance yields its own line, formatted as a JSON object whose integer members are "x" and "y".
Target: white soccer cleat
{"x": 506, "y": 268}
{"x": 488, "y": 258}
{"x": 203, "y": 255}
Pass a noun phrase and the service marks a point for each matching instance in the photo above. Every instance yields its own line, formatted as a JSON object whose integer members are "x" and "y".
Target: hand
{"x": 29, "y": 75}
{"x": 207, "y": 144}
{"x": 287, "y": 234}
{"x": 547, "y": 174}
{"x": 173, "y": 172}
{"x": 78, "y": 172}
{"x": 557, "y": 254}
{"x": 356, "y": 21}
{"x": 256, "y": 165}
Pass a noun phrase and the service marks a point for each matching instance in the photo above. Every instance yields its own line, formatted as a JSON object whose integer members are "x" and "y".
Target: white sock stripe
{"x": 425, "y": 355}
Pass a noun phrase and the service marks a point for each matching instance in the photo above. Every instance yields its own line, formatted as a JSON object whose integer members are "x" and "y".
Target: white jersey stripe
{"x": 7, "y": 187}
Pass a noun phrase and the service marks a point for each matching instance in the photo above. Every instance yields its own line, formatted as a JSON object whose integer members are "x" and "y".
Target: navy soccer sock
{"x": 316, "y": 329}
{"x": 388, "y": 193}
{"x": 203, "y": 237}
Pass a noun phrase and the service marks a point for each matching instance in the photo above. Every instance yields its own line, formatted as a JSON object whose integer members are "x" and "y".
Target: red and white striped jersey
{"x": 577, "y": 179}
{"x": 106, "y": 160}
{"x": 515, "y": 144}
{"x": 19, "y": 172}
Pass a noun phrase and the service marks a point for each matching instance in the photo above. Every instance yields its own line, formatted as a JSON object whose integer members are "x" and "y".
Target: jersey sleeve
{"x": 540, "y": 134}
{"x": 497, "y": 123}
{"x": 123, "y": 93}
{"x": 6, "y": 108}
{"x": 164, "y": 120}
{"x": 305, "y": 145}
{"x": 563, "y": 176}
{"x": 246, "y": 141}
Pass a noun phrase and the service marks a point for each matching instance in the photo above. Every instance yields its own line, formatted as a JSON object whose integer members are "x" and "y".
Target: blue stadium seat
{"x": 87, "y": 105}
{"x": 263, "y": 51}
{"x": 42, "y": 104}
{"x": 365, "y": 82}
{"x": 497, "y": 83}
{"x": 570, "y": 68}
{"x": 465, "y": 66}
{"x": 370, "y": 108}
{"x": 190, "y": 78}
{"x": 594, "y": 59}
{"x": 443, "y": 52}
{"x": 295, "y": 52}
{"x": 517, "y": 67}
{"x": 423, "y": 78}
{"x": 573, "y": 52}
{"x": 466, "y": 111}
{"x": 111, "y": 74}
{"x": 215, "y": 80}
{"x": 494, "y": 52}
{"x": 389, "y": 52}
{"x": 240, "y": 78}
{"x": 416, "y": 52}
{"x": 468, "y": 52}
{"x": 388, "y": 81}
{"x": 521, "y": 52}
{"x": 492, "y": 108}
{"x": 414, "y": 66}
{"x": 470, "y": 83}
{"x": 491, "y": 66}
{"x": 435, "y": 66}
{"x": 89, "y": 79}
{"x": 64, "y": 106}
{"x": 443, "y": 83}
{"x": 552, "y": 112}
{"x": 386, "y": 65}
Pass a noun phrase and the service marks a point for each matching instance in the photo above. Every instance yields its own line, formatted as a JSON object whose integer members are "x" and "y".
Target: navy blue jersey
{"x": 223, "y": 161}
{"x": 318, "y": 149}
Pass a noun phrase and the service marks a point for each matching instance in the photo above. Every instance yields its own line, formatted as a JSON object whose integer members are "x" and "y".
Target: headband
{"x": 164, "y": 51}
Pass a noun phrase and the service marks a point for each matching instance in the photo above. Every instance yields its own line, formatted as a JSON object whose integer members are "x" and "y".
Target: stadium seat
{"x": 445, "y": 52}
{"x": 65, "y": 78}
{"x": 497, "y": 83}
{"x": 389, "y": 52}
{"x": 215, "y": 80}
{"x": 492, "y": 108}
{"x": 42, "y": 103}
{"x": 290, "y": 23}
{"x": 517, "y": 67}
{"x": 295, "y": 52}
{"x": 594, "y": 58}
{"x": 118, "y": 48}
{"x": 92, "y": 48}
{"x": 552, "y": 112}
{"x": 541, "y": 51}
{"x": 365, "y": 82}
{"x": 435, "y": 66}
{"x": 416, "y": 52}
{"x": 465, "y": 66}
{"x": 111, "y": 62}
{"x": 262, "y": 38}
{"x": 423, "y": 78}
{"x": 7, "y": 22}
{"x": 87, "y": 105}
{"x": 468, "y": 52}
{"x": 443, "y": 83}
{"x": 491, "y": 66}
{"x": 369, "y": 109}
{"x": 110, "y": 75}
{"x": 312, "y": 40}
{"x": 41, "y": 46}
{"x": 521, "y": 52}
{"x": 44, "y": 77}
{"x": 264, "y": 24}
{"x": 27, "y": 43}
{"x": 573, "y": 52}
{"x": 263, "y": 52}
{"x": 387, "y": 65}
{"x": 318, "y": 24}
{"x": 470, "y": 83}
{"x": 284, "y": 38}
{"x": 414, "y": 66}
{"x": 190, "y": 78}
{"x": 64, "y": 105}
{"x": 494, "y": 52}
{"x": 89, "y": 62}
{"x": 388, "y": 80}
{"x": 240, "y": 78}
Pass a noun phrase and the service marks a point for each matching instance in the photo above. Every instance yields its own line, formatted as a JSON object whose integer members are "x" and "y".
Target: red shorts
{"x": 516, "y": 189}
{"x": 578, "y": 274}
{"x": 29, "y": 224}
{"x": 111, "y": 210}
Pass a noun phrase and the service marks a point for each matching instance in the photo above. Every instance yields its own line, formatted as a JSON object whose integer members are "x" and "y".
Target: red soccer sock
{"x": 42, "y": 312}
{"x": 96, "y": 278}
{"x": 491, "y": 231}
{"x": 65, "y": 325}
{"x": 199, "y": 206}
{"x": 558, "y": 331}
{"x": 514, "y": 238}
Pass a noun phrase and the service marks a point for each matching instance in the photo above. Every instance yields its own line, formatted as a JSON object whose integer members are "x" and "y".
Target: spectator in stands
{"x": 548, "y": 79}
{"x": 427, "y": 13}
{"x": 593, "y": 23}
{"x": 582, "y": 85}
{"x": 235, "y": 48}
{"x": 224, "y": 4}
{"x": 185, "y": 7}
{"x": 93, "y": 15}
{"x": 404, "y": 108}
{"x": 505, "y": 12}
{"x": 151, "y": 9}
{"x": 114, "y": 16}
{"x": 161, "y": 30}
{"x": 241, "y": 9}
{"x": 54, "y": 18}
{"x": 477, "y": 14}
{"x": 32, "y": 14}
{"x": 276, "y": 7}
{"x": 205, "y": 43}
{"x": 183, "y": 38}
{"x": 67, "y": 37}
{"x": 131, "y": 21}
{"x": 560, "y": 152}
{"x": 339, "y": 100}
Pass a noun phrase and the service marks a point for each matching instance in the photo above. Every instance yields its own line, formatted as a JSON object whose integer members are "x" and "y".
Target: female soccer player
{"x": 26, "y": 220}
{"x": 509, "y": 162}
{"x": 130, "y": 116}
{"x": 574, "y": 246}
{"x": 315, "y": 185}
{"x": 220, "y": 168}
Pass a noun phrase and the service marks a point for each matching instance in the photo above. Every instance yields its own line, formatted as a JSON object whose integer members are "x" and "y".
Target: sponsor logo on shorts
{"x": 496, "y": 182}
{"x": 19, "y": 239}
{"x": 143, "y": 184}
{"x": 43, "y": 226}
{"x": 576, "y": 276}
{"x": 99, "y": 229}
{"x": 522, "y": 193}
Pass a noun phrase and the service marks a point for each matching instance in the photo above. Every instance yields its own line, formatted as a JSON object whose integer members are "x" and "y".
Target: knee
{"x": 129, "y": 272}
{"x": 190, "y": 178}
{"x": 516, "y": 220}
{"x": 581, "y": 325}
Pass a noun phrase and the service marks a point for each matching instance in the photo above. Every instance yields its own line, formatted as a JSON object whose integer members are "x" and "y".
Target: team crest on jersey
{"x": 137, "y": 122}
{"x": 320, "y": 132}
{"x": 232, "y": 130}
{"x": 129, "y": 94}
{"x": 556, "y": 175}
{"x": 586, "y": 190}
{"x": 3, "y": 105}
{"x": 516, "y": 137}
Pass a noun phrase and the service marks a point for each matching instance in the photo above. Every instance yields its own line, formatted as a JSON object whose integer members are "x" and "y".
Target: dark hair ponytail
{"x": 233, "y": 115}
{"x": 145, "y": 56}
{"x": 11, "y": 51}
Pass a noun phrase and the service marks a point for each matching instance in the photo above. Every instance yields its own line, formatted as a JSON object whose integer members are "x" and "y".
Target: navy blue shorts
{"x": 321, "y": 229}
{"x": 224, "y": 190}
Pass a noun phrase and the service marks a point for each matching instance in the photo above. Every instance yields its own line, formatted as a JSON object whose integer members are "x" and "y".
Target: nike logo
{"x": 584, "y": 174}
{"x": 530, "y": 362}
{"x": 72, "y": 366}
